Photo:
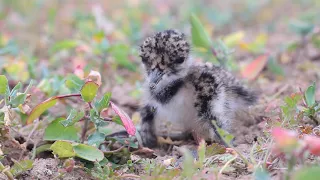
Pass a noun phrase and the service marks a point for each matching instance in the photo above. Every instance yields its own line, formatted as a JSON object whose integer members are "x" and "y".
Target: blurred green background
{"x": 47, "y": 39}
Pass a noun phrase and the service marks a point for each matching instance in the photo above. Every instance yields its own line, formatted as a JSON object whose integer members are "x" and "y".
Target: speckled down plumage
{"x": 182, "y": 96}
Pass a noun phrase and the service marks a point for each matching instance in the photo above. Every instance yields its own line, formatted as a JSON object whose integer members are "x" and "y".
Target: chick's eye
{"x": 180, "y": 60}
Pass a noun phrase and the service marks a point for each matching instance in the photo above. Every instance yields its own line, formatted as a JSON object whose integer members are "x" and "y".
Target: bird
{"x": 184, "y": 96}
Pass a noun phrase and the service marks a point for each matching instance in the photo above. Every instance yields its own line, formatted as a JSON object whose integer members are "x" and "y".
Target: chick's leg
{"x": 147, "y": 132}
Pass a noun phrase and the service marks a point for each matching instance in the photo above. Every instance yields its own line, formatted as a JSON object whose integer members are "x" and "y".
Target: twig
{"x": 107, "y": 119}
{"x": 29, "y": 137}
{"x": 34, "y": 150}
{"x": 114, "y": 151}
{"x": 225, "y": 166}
{"x": 6, "y": 171}
{"x": 267, "y": 155}
{"x": 285, "y": 87}
{"x": 252, "y": 154}
{"x": 130, "y": 176}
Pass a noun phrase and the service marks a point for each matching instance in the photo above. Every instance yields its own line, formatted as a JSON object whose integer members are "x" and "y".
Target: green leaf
{"x": 214, "y": 149}
{"x": 40, "y": 108}
{"x": 30, "y": 85}
{"x": 87, "y": 152}
{"x": 1, "y": 117}
{"x": 96, "y": 139}
{"x": 95, "y": 118}
{"x": 15, "y": 90}
{"x": 274, "y": 67}
{"x": 43, "y": 148}
{"x": 15, "y": 102}
{"x": 11, "y": 48}
{"x": 200, "y": 37}
{"x": 89, "y": 91}
{"x": 202, "y": 153}
{"x": 307, "y": 173}
{"x": 56, "y": 131}
{"x": 121, "y": 54}
{"x": 310, "y": 95}
{"x": 261, "y": 174}
{"x": 233, "y": 39}
{"x": 63, "y": 149}
{"x": 103, "y": 103}
{"x": 63, "y": 45}
{"x": 21, "y": 167}
{"x": 73, "y": 117}
{"x": 221, "y": 51}
{"x": 125, "y": 141}
{"x": 74, "y": 83}
{"x": 4, "y": 88}
{"x": 301, "y": 27}
{"x": 117, "y": 120}
{"x": 189, "y": 168}
{"x": 293, "y": 46}
{"x": 226, "y": 136}
{"x": 316, "y": 41}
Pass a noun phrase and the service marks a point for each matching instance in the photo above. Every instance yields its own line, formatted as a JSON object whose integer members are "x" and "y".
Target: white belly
{"x": 176, "y": 116}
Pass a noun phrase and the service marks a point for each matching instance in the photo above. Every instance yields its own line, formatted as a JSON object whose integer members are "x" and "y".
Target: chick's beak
{"x": 155, "y": 77}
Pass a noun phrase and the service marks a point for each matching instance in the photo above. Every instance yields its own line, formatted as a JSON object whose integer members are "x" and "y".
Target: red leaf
{"x": 313, "y": 144}
{"x": 252, "y": 70}
{"x": 127, "y": 122}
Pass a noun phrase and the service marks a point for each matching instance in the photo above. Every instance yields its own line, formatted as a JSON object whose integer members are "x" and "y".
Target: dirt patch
{"x": 44, "y": 169}
{"x": 248, "y": 126}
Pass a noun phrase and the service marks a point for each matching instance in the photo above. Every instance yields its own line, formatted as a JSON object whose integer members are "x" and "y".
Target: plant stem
{"x": 84, "y": 130}
{"x": 291, "y": 163}
{"x": 6, "y": 172}
{"x": 85, "y": 126}
{"x": 69, "y": 95}
{"x": 215, "y": 54}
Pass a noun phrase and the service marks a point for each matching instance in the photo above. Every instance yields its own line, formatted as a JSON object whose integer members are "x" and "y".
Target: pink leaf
{"x": 313, "y": 144}
{"x": 253, "y": 69}
{"x": 127, "y": 122}
{"x": 285, "y": 139}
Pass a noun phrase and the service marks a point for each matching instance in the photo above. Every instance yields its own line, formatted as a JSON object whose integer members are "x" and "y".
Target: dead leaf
{"x": 215, "y": 149}
{"x": 94, "y": 76}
